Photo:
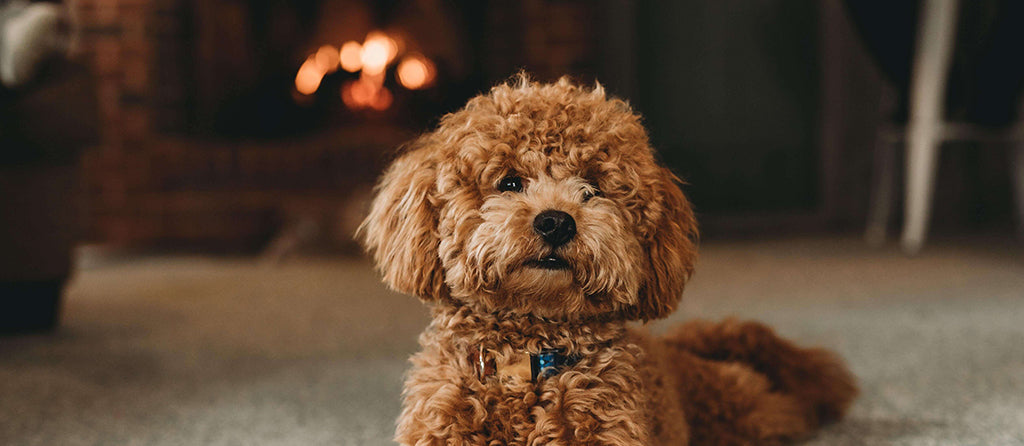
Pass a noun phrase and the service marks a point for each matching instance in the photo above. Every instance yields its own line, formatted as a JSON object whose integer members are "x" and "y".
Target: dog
{"x": 537, "y": 224}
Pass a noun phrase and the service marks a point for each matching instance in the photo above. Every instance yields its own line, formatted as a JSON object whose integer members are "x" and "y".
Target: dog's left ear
{"x": 670, "y": 249}
{"x": 401, "y": 229}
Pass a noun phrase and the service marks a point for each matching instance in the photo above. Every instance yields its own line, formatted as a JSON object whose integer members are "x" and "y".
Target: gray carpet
{"x": 205, "y": 351}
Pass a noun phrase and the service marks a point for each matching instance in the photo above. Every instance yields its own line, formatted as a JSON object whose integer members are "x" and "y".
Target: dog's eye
{"x": 590, "y": 192}
{"x": 510, "y": 184}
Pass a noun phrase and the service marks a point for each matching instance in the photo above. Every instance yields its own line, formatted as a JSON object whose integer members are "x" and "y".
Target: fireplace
{"x": 225, "y": 122}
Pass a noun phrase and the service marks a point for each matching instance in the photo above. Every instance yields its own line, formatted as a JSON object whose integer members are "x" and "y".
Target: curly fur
{"x": 440, "y": 229}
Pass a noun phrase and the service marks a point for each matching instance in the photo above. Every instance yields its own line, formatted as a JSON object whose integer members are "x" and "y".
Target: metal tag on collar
{"x": 548, "y": 362}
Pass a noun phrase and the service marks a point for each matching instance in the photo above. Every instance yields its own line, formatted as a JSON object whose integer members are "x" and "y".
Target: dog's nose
{"x": 555, "y": 227}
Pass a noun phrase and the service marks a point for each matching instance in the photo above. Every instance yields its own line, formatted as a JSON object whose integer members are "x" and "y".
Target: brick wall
{"x": 113, "y": 40}
{"x": 145, "y": 186}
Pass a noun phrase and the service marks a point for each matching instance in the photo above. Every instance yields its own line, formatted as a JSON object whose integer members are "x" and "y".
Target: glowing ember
{"x": 346, "y": 96}
{"x": 382, "y": 100}
{"x": 389, "y": 43}
{"x": 307, "y": 80}
{"x": 364, "y": 93}
{"x": 415, "y": 72}
{"x": 327, "y": 58}
{"x": 376, "y": 80}
{"x": 378, "y": 51}
{"x": 351, "y": 56}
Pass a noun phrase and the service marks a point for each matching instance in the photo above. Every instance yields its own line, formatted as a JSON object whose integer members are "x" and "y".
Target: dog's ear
{"x": 670, "y": 248}
{"x": 400, "y": 231}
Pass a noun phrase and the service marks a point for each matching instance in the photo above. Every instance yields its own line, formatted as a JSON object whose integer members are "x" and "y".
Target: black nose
{"x": 555, "y": 227}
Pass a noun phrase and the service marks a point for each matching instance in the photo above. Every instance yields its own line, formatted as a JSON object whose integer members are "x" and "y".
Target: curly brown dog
{"x": 537, "y": 223}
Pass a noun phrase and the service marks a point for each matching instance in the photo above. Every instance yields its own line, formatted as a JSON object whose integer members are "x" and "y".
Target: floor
{"x": 232, "y": 351}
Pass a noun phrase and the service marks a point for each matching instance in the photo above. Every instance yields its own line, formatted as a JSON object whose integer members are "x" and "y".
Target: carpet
{"x": 194, "y": 350}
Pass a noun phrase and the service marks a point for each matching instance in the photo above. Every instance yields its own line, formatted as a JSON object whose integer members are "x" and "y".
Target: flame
{"x": 376, "y": 80}
{"x": 371, "y": 60}
{"x": 415, "y": 72}
{"x": 327, "y": 58}
{"x": 378, "y": 51}
{"x": 351, "y": 56}
{"x": 365, "y": 93}
{"x": 382, "y": 100}
{"x": 307, "y": 80}
{"x": 362, "y": 93}
{"x": 389, "y": 43}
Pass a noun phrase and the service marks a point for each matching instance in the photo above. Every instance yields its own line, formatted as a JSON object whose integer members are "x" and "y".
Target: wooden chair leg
{"x": 922, "y": 157}
{"x": 932, "y": 57}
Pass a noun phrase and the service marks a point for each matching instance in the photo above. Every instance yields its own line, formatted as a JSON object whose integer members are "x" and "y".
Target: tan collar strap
{"x": 520, "y": 364}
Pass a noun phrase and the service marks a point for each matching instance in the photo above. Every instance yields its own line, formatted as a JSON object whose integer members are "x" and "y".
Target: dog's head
{"x": 540, "y": 199}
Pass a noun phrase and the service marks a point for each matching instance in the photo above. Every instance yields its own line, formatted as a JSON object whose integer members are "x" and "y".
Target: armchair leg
{"x": 30, "y": 306}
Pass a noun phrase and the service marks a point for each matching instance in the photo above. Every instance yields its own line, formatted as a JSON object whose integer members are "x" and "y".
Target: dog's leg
{"x": 438, "y": 409}
{"x": 815, "y": 377}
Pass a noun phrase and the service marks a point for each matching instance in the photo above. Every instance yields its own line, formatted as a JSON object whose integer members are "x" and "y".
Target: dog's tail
{"x": 817, "y": 378}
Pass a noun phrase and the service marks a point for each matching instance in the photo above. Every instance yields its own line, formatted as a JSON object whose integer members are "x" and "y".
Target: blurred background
{"x": 180, "y": 181}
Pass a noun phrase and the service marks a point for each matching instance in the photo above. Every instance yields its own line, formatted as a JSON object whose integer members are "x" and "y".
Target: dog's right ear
{"x": 401, "y": 230}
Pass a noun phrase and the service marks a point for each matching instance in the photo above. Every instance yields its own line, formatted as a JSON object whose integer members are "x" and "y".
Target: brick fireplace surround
{"x": 146, "y": 186}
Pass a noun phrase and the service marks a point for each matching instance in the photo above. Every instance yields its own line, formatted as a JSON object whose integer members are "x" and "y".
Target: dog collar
{"x": 523, "y": 365}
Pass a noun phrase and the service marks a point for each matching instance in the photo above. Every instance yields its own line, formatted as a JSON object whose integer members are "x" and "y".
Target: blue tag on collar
{"x": 549, "y": 362}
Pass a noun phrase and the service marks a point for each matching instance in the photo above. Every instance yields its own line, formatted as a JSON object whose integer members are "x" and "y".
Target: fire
{"x": 378, "y": 51}
{"x": 327, "y": 58}
{"x": 364, "y": 93}
{"x": 351, "y": 56}
{"x": 356, "y": 94}
{"x": 307, "y": 80}
{"x": 415, "y": 72}
{"x": 382, "y": 100}
{"x": 371, "y": 60}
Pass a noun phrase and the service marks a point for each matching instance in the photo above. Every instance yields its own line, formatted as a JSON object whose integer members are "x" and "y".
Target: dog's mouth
{"x": 550, "y": 262}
